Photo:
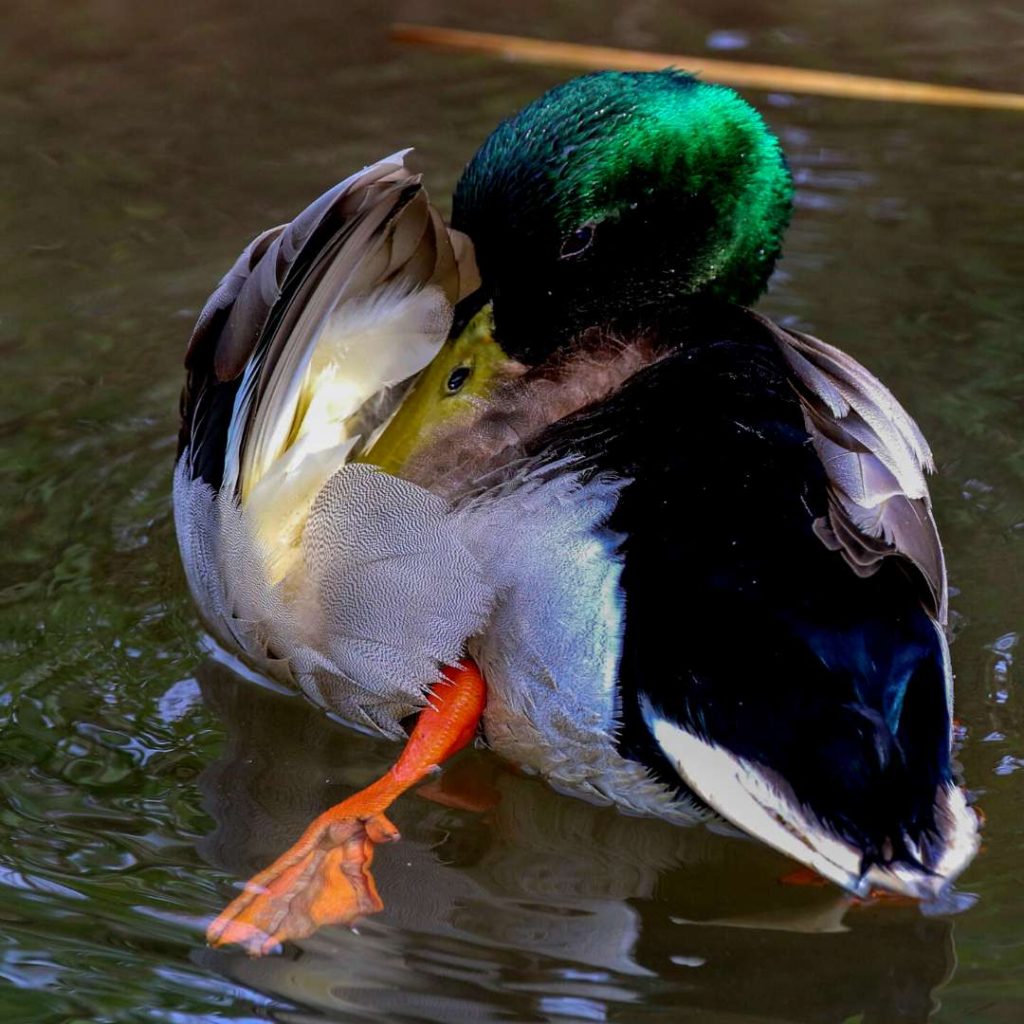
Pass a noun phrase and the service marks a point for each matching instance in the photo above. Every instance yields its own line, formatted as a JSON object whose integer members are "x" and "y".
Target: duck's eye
{"x": 578, "y": 242}
{"x": 456, "y": 379}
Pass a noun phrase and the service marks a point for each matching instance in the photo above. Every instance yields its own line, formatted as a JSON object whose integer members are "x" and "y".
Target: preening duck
{"x": 688, "y": 556}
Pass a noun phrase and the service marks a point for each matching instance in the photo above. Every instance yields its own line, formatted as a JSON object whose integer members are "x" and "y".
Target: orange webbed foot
{"x": 804, "y": 876}
{"x": 323, "y": 879}
{"x": 881, "y": 897}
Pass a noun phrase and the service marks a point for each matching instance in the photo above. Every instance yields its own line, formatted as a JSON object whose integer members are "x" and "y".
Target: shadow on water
{"x": 561, "y": 907}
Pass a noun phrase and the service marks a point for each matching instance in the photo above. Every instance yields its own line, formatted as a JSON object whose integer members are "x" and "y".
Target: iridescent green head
{"x": 618, "y": 194}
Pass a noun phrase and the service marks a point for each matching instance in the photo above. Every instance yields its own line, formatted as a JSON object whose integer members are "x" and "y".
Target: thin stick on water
{"x": 727, "y": 72}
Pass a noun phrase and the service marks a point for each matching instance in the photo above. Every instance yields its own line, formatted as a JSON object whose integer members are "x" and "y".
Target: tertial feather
{"x": 875, "y": 458}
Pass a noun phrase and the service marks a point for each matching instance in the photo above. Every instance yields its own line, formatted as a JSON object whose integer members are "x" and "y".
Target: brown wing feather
{"x": 875, "y": 458}
{"x": 364, "y": 232}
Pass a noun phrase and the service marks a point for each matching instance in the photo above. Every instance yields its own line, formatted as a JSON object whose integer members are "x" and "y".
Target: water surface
{"x": 140, "y": 781}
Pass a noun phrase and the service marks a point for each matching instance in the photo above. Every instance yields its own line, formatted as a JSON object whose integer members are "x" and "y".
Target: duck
{"x": 544, "y": 478}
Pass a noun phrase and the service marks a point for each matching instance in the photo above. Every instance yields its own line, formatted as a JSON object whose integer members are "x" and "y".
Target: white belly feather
{"x": 392, "y": 580}
{"x": 551, "y": 650}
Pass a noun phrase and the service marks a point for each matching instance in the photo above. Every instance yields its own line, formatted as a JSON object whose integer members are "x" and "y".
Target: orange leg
{"x": 325, "y": 877}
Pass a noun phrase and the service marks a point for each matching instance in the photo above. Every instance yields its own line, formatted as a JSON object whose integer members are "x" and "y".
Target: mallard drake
{"x": 686, "y": 555}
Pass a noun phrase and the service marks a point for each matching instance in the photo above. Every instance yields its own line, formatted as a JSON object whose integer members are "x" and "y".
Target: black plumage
{"x": 741, "y": 624}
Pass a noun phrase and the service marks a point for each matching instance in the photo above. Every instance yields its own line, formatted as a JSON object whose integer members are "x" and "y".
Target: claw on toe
{"x": 323, "y": 879}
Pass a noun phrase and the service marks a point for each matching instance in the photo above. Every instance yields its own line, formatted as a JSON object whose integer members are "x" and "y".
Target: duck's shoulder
{"x": 742, "y": 415}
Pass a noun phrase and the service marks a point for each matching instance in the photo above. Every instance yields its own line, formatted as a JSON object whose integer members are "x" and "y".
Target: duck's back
{"x": 749, "y": 643}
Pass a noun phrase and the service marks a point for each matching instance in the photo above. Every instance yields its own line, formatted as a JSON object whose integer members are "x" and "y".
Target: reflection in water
{"x": 565, "y": 908}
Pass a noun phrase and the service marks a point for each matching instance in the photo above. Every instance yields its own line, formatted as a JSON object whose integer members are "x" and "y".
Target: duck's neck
{"x": 498, "y": 431}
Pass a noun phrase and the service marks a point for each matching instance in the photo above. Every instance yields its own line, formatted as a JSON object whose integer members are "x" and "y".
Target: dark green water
{"x": 144, "y": 145}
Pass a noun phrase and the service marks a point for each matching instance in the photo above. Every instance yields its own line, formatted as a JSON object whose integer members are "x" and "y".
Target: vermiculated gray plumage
{"x": 290, "y": 368}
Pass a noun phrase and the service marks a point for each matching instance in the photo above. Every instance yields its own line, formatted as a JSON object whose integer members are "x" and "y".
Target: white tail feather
{"x": 747, "y": 795}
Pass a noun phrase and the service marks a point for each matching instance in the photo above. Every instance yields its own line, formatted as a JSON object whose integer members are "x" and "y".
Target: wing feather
{"x": 256, "y": 333}
{"x": 301, "y": 351}
{"x": 875, "y": 457}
